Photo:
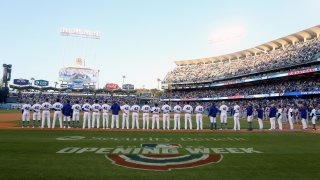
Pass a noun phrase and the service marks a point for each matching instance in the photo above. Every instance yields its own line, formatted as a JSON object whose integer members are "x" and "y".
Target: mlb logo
{"x": 160, "y": 145}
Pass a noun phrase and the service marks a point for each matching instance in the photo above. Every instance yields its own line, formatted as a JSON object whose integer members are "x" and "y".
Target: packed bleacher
{"x": 261, "y": 88}
{"x": 299, "y": 53}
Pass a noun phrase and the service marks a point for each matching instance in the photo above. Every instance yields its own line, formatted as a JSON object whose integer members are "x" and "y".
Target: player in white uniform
{"x": 166, "y": 116}
{"x": 236, "y": 115}
{"x": 46, "y": 106}
{"x": 199, "y": 110}
{"x": 76, "y": 108}
{"x": 177, "y": 110}
{"x": 125, "y": 116}
{"x": 223, "y": 115}
{"x": 36, "y": 108}
{"x": 290, "y": 116}
{"x": 155, "y": 117}
{"x": 279, "y": 117}
{"x": 96, "y": 108}
{"x": 145, "y": 116}
{"x": 187, "y": 116}
{"x": 313, "y": 116}
{"x": 105, "y": 116}
{"x": 135, "y": 115}
{"x": 86, "y": 115}
{"x": 26, "y": 108}
{"x": 57, "y": 106}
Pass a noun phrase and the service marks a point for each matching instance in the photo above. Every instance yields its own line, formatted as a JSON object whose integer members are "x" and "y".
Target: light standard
{"x": 32, "y": 80}
{"x": 159, "y": 80}
{"x": 123, "y": 77}
{"x": 55, "y": 84}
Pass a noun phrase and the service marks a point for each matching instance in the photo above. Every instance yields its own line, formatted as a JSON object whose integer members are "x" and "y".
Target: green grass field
{"x": 33, "y": 154}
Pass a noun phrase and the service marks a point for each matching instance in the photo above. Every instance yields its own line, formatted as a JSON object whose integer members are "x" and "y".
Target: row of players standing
{"x": 274, "y": 114}
{"x": 69, "y": 113}
{"x": 74, "y": 112}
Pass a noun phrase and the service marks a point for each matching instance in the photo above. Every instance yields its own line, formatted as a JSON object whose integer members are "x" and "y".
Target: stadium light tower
{"x": 159, "y": 80}
{"x": 123, "y": 77}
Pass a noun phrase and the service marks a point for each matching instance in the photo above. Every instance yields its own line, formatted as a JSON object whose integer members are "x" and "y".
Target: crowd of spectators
{"x": 299, "y": 53}
{"x": 41, "y": 97}
{"x": 261, "y": 88}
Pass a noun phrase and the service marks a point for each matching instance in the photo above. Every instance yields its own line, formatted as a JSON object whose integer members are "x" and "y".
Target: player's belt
{"x": 155, "y": 113}
{"x": 145, "y": 111}
{"x": 86, "y": 111}
{"x": 57, "y": 110}
{"x": 165, "y": 113}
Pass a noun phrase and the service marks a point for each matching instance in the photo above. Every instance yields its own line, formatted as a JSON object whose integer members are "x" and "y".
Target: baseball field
{"x": 163, "y": 154}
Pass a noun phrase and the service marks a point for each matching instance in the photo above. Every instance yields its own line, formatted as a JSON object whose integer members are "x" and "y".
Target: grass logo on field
{"x": 70, "y": 138}
{"x": 163, "y": 162}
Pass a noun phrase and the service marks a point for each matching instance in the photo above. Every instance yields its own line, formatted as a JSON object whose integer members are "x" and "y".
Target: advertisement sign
{"x": 78, "y": 75}
{"x": 41, "y": 83}
{"x": 21, "y": 82}
{"x": 128, "y": 87}
{"x": 301, "y": 72}
{"x": 112, "y": 86}
{"x": 78, "y": 86}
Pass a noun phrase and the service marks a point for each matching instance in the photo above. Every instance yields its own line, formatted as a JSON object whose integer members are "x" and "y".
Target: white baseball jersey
{"x": 313, "y": 113}
{"x": 86, "y": 107}
{"x": 155, "y": 110}
{"x": 166, "y": 109}
{"x": 46, "y": 106}
{"x": 26, "y": 108}
{"x": 279, "y": 112}
{"x": 96, "y": 107}
{"x": 290, "y": 112}
{"x": 106, "y": 108}
{"x": 125, "y": 108}
{"x": 188, "y": 109}
{"x": 177, "y": 109}
{"x": 199, "y": 109}
{"x": 236, "y": 109}
{"x": 146, "y": 108}
{"x": 36, "y": 107}
{"x": 76, "y": 108}
{"x": 135, "y": 108}
{"x": 57, "y": 106}
{"x": 224, "y": 109}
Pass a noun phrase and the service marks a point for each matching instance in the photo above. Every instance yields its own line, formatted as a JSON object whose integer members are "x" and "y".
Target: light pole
{"x": 98, "y": 78}
{"x": 32, "y": 80}
{"x": 123, "y": 77}
{"x": 55, "y": 84}
{"x": 159, "y": 80}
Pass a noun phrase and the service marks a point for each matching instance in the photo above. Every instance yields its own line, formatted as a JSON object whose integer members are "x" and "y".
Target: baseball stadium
{"x": 250, "y": 113}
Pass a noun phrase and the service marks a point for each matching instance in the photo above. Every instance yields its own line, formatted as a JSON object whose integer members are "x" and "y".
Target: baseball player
{"x": 135, "y": 115}
{"x": 187, "y": 116}
{"x": 46, "y": 106}
{"x": 313, "y": 116}
{"x": 115, "y": 108}
{"x": 303, "y": 113}
{"x": 67, "y": 112}
{"x": 155, "y": 116}
{"x": 86, "y": 107}
{"x": 76, "y": 108}
{"x": 145, "y": 116}
{"x": 290, "y": 116}
{"x": 36, "y": 113}
{"x": 272, "y": 116}
{"x": 260, "y": 116}
{"x": 212, "y": 115}
{"x": 236, "y": 125}
{"x": 57, "y": 106}
{"x": 279, "y": 115}
{"x": 166, "y": 116}
{"x": 26, "y": 108}
{"x": 223, "y": 115}
{"x": 96, "y": 108}
{"x": 249, "y": 116}
{"x": 177, "y": 110}
{"x": 199, "y": 110}
{"x": 125, "y": 116}
{"x": 105, "y": 116}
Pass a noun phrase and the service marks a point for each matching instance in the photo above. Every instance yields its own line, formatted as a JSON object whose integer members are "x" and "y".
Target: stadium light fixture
{"x": 77, "y": 32}
{"x": 261, "y": 50}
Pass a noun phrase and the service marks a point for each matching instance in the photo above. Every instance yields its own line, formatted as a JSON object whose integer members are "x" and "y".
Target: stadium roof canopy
{"x": 266, "y": 47}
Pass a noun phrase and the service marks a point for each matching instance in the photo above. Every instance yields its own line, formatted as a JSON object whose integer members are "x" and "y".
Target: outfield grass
{"x": 27, "y": 154}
